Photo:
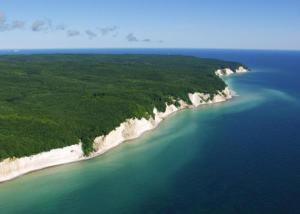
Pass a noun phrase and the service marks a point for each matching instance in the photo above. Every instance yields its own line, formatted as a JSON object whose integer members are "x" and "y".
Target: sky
{"x": 233, "y": 24}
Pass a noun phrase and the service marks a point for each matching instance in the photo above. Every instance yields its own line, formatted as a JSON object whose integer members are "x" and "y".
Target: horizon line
{"x": 153, "y": 48}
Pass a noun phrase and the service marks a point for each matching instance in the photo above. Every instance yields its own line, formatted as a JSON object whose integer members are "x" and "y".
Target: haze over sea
{"x": 241, "y": 156}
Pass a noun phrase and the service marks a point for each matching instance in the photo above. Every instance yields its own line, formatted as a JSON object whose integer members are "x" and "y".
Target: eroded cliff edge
{"x": 130, "y": 129}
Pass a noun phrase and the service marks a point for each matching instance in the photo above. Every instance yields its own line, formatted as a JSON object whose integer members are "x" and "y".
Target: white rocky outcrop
{"x": 130, "y": 129}
{"x": 228, "y": 71}
{"x": 198, "y": 99}
{"x": 224, "y": 72}
{"x": 14, "y": 167}
{"x": 241, "y": 69}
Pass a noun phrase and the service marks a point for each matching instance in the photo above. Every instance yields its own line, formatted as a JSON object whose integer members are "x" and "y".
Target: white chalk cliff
{"x": 228, "y": 71}
{"x": 130, "y": 129}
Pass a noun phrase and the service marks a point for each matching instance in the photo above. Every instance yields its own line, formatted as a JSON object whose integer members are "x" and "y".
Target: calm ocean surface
{"x": 242, "y": 156}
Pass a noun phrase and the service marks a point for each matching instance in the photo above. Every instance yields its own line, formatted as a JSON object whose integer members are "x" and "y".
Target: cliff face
{"x": 14, "y": 167}
{"x": 228, "y": 71}
{"x": 133, "y": 128}
{"x": 130, "y": 129}
{"x": 198, "y": 99}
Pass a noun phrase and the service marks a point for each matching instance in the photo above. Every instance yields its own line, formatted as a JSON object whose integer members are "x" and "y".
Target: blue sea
{"x": 242, "y": 156}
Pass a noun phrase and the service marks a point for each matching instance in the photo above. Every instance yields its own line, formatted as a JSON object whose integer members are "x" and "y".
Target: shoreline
{"x": 130, "y": 129}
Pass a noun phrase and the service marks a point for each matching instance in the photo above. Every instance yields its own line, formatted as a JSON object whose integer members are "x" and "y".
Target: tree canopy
{"x": 52, "y": 101}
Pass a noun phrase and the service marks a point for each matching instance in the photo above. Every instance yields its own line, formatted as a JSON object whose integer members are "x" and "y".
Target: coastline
{"x": 128, "y": 130}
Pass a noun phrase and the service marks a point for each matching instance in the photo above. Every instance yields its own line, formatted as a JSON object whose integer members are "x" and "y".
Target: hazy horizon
{"x": 151, "y": 48}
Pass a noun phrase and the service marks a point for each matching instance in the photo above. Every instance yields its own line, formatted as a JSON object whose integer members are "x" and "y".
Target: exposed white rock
{"x": 130, "y": 129}
{"x": 241, "y": 69}
{"x": 198, "y": 99}
{"x": 228, "y": 71}
{"x": 14, "y": 167}
{"x": 224, "y": 72}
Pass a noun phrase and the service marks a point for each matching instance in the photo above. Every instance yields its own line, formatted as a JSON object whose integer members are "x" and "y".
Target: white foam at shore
{"x": 130, "y": 129}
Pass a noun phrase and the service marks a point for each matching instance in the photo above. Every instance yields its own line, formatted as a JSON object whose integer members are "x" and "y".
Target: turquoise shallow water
{"x": 241, "y": 156}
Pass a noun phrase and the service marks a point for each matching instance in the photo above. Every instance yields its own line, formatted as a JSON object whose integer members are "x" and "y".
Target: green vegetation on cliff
{"x": 52, "y": 101}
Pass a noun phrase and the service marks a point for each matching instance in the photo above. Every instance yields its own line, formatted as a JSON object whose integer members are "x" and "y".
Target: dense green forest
{"x": 52, "y": 101}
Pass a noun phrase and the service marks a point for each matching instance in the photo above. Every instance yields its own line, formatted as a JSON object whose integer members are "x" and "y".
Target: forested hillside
{"x": 52, "y": 101}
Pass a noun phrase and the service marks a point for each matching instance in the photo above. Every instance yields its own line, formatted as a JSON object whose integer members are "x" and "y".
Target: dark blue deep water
{"x": 242, "y": 156}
